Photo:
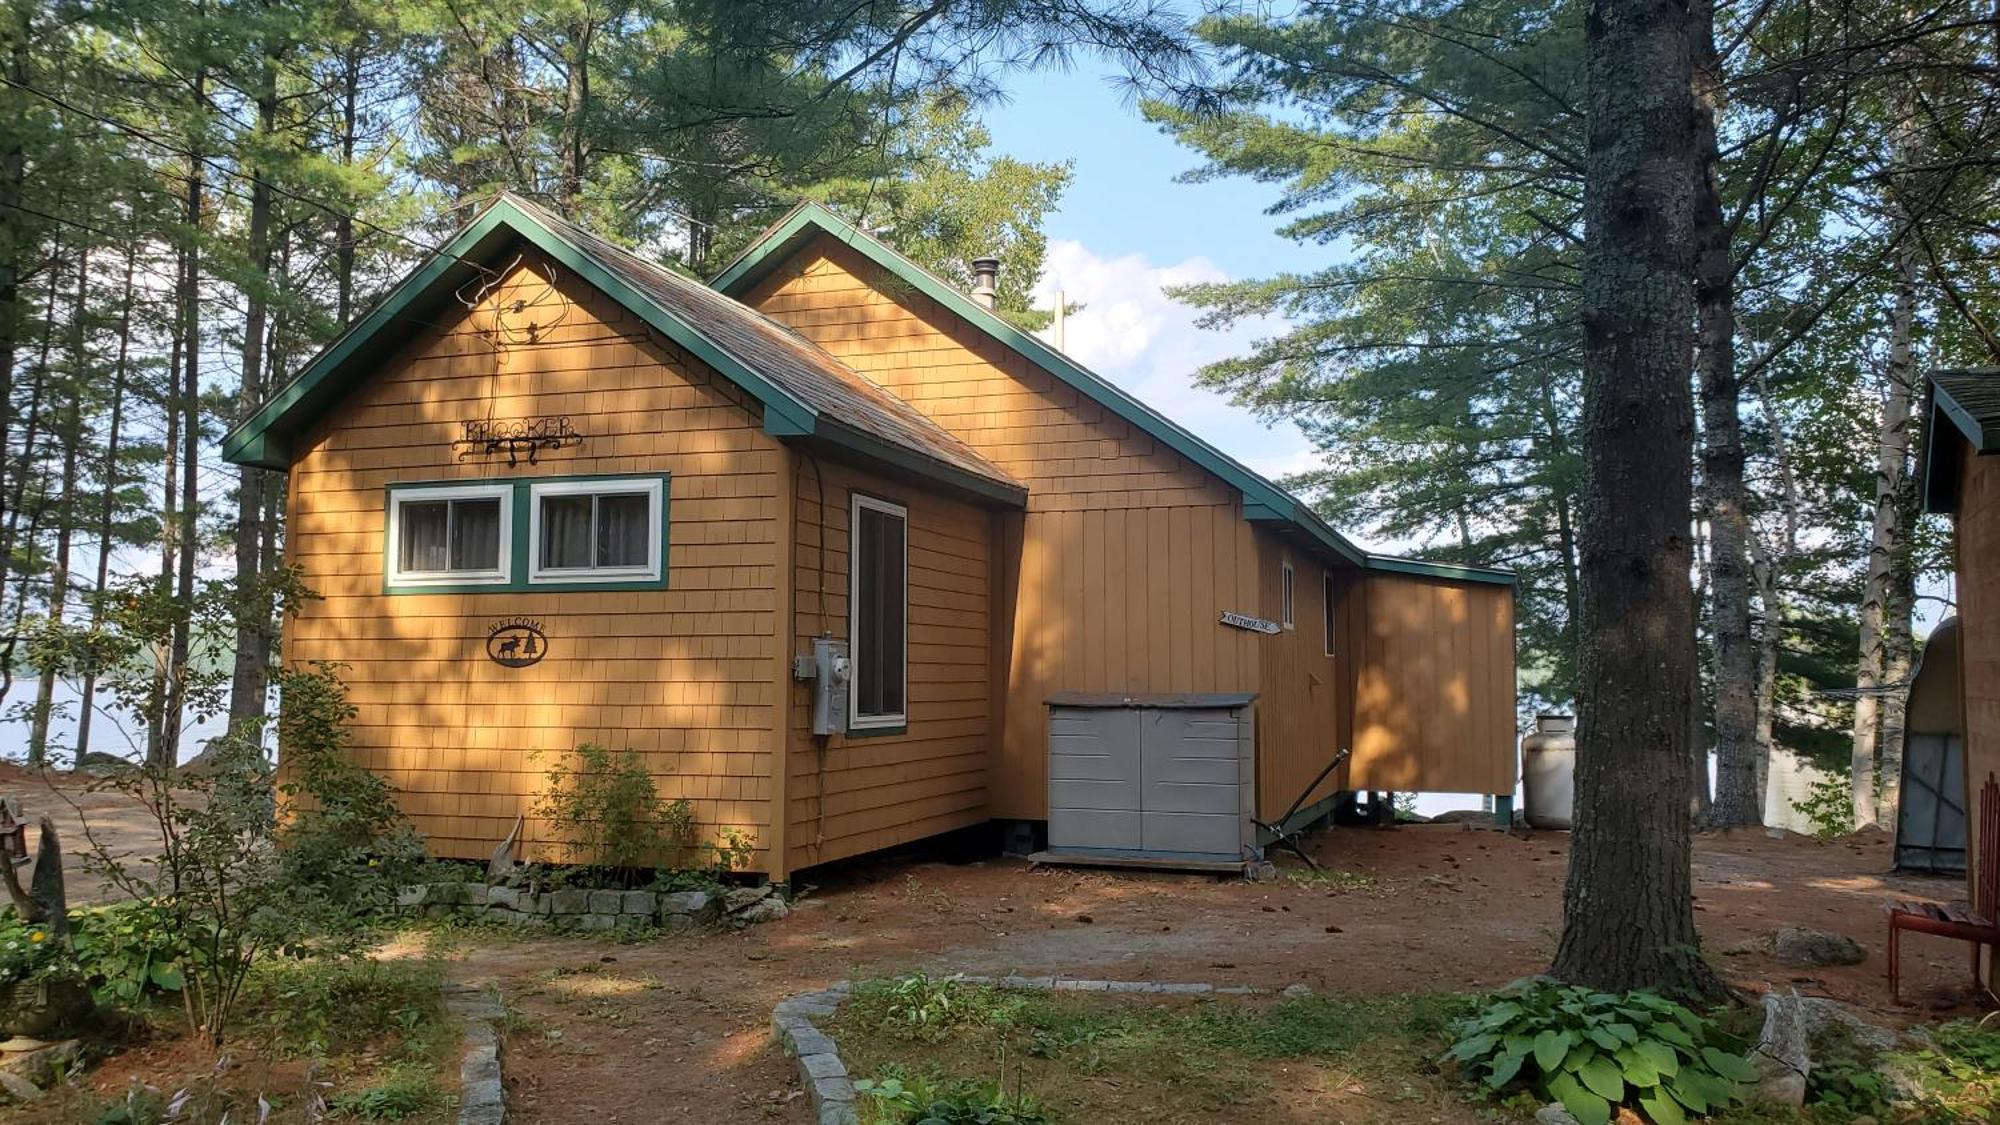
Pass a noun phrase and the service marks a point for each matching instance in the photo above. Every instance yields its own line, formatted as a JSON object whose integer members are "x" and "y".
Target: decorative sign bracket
{"x": 517, "y": 437}
{"x": 1245, "y": 621}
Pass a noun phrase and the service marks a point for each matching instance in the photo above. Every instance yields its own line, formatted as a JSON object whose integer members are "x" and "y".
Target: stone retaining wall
{"x": 570, "y": 907}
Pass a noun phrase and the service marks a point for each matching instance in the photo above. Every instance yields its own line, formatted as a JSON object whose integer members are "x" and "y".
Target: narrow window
{"x": 1285, "y": 596}
{"x": 448, "y": 535}
{"x": 1327, "y": 597}
{"x": 593, "y": 530}
{"x": 878, "y": 614}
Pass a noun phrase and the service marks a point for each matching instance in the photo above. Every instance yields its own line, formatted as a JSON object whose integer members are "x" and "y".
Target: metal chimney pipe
{"x": 986, "y": 281}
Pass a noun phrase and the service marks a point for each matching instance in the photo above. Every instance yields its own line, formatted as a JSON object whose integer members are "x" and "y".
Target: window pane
{"x": 565, "y": 532}
{"x": 879, "y": 613}
{"x": 420, "y": 541}
{"x": 622, "y": 538}
{"x": 475, "y": 534}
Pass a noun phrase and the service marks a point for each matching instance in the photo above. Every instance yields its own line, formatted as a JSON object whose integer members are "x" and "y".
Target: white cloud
{"x": 1132, "y": 333}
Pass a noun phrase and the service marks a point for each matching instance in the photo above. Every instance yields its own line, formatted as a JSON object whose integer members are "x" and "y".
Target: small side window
{"x": 1328, "y": 597}
{"x": 1285, "y": 596}
{"x": 878, "y": 613}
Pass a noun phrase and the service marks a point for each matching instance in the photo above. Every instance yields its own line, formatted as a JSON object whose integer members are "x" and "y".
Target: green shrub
{"x": 610, "y": 817}
{"x": 323, "y": 1006}
{"x": 120, "y": 952}
{"x": 1829, "y": 807}
{"x": 1594, "y": 1051}
{"x": 899, "y": 1098}
{"x": 928, "y": 1008}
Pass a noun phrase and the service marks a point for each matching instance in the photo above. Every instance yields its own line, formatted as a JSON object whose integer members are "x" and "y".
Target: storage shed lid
{"x": 1167, "y": 700}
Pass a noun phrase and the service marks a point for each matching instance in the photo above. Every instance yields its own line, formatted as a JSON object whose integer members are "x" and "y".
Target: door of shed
{"x": 1151, "y": 775}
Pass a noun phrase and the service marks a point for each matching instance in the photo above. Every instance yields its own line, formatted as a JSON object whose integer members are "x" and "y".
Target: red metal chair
{"x": 1978, "y": 924}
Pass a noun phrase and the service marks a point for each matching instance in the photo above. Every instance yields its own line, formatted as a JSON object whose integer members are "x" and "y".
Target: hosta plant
{"x": 1595, "y": 1051}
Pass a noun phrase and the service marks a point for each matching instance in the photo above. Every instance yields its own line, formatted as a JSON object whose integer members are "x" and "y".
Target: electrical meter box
{"x": 831, "y": 673}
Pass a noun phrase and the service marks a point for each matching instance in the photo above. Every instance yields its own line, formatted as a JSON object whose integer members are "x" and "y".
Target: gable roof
{"x": 805, "y": 392}
{"x": 1968, "y": 401}
{"x": 1263, "y": 501}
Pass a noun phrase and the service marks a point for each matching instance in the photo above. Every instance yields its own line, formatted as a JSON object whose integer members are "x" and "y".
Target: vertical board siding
{"x": 1976, "y": 546}
{"x": 1434, "y": 691}
{"x": 1305, "y": 710}
{"x": 1127, "y": 554}
{"x": 849, "y": 795}
{"x": 683, "y": 676}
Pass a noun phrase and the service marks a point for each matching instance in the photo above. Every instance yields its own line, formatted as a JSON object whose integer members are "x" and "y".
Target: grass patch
{"x": 1327, "y": 879}
{"x": 1095, "y": 1057}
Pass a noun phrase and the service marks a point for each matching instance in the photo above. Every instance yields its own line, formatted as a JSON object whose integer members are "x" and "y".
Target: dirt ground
{"x": 74, "y": 802}
{"x": 677, "y": 1029}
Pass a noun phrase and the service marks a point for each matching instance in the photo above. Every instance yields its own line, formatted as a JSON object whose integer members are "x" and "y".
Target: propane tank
{"x": 1548, "y": 771}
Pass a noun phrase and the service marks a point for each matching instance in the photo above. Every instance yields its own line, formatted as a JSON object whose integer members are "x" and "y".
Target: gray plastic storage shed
{"x": 1152, "y": 777}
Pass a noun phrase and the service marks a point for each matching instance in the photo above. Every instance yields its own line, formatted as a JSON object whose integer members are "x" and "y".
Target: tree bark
{"x": 70, "y": 433}
{"x": 250, "y": 676}
{"x": 189, "y": 308}
{"x": 1628, "y": 910}
{"x": 107, "y": 516}
{"x": 1724, "y": 497}
{"x": 1885, "y": 597}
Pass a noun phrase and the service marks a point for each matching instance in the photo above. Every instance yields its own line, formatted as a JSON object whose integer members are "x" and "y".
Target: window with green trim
{"x": 531, "y": 533}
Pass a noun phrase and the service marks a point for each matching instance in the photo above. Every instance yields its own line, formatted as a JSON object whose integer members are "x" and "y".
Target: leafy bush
{"x": 611, "y": 817}
{"x": 899, "y": 1099}
{"x": 323, "y": 1007}
{"x": 1829, "y": 807}
{"x": 1594, "y": 1051}
{"x": 927, "y": 1008}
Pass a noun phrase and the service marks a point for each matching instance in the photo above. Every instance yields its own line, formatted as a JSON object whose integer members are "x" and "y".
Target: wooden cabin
{"x": 1961, "y": 429}
{"x": 834, "y": 548}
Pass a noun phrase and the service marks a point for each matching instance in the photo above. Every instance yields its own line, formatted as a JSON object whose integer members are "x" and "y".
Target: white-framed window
{"x": 606, "y": 529}
{"x": 878, "y": 614}
{"x": 1329, "y": 597}
{"x": 450, "y": 535}
{"x": 1285, "y": 595}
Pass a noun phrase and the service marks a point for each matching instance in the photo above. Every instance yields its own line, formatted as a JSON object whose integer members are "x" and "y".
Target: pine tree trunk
{"x": 175, "y": 703}
{"x": 13, "y": 535}
{"x": 250, "y": 677}
{"x": 1724, "y": 498}
{"x": 343, "y": 226}
{"x": 1628, "y": 910}
{"x": 107, "y": 516}
{"x": 70, "y": 433}
{"x": 1888, "y": 549}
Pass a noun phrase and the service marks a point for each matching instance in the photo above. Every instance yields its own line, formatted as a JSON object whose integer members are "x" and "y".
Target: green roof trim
{"x": 1263, "y": 501}
{"x": 1970, "y": 401}
{"x": 1455, "y": 572}
{"x": 265, "y": 438}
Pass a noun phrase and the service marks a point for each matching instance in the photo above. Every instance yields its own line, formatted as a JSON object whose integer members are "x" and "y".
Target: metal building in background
{"x": 1930, "y": 824}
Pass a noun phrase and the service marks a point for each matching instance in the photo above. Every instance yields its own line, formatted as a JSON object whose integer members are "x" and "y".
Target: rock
{"x": 448, "y": 894}
{"x": 1812, "y": 949}
{"x": 505, "y": 898}
{"x": 45, "y": 1066}
{"x": 763, "y": 910}
{"x": 1295, "y": 991}
{"x": 740, "y": 898}
{"x": 100, "y": 764}
{"x": 1462, "y": 816}
{"x": 1749, "y": 945}
{"x": 412, "y": 896}
{"x": 1554, "y": 1114}
{"x": 643, "y": 903}
{"x": 1792, "y": 1023}
{"x": 696, "y": 906}
{"x": 1783, "y": 1055}
{"x": 569, "y": 900}
{"x": 607, "y": 902}
{"x": 17, "y": 1088}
